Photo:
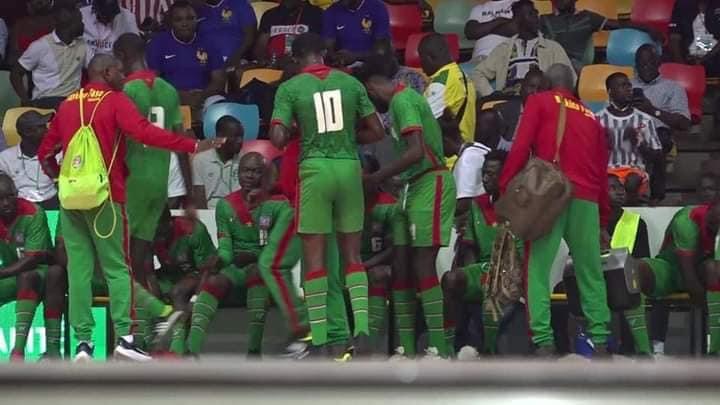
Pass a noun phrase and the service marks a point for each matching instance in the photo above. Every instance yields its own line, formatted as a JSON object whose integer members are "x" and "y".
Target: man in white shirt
{"x": 20, "y": 162}
{"x": 55, "y": 62}
{"x": 215, "y": 174}
{"x": 104, "y": 22}
{"x": 490, "y": 23}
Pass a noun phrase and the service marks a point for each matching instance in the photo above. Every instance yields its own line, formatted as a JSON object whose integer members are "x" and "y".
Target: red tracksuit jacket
{"x": 583, "y": 152}
{"x": 116, "y": 116}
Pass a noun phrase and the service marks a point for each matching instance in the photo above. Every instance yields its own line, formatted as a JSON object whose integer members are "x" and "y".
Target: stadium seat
{"x": 591, "y": 85}
{"x": 11, "y": 116}
{"x": 623, "y": 44}
{"x": 263, "y": 147}
{"x": 653, "y": 13}
{"x": 249, "y": 115}
{"x": 450, "y": 18}
{"x": 186, "y": 117}
{"x": 596, "y": 106}
{"x": 544, "y": 7}
{"x": 260, "y": 7}
{"x": 490, "y": 104}
{"x": 8, "y": 98}
{"x": 405, "y": 20}
{"x": 412, "y": 57}
{"x": 624, "y": 8}
{"x": 264, "y": 75}
{"x": 606, "y": 8}
{"x": 692, "y": 79}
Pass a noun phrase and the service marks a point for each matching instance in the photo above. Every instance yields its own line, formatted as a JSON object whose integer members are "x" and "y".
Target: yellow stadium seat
{"x": 624, "y": 7}
{"x": 264, "y": 75}
{"x": 592, "y": 81}
{"x": 186, "y": 117}
{"x": 261, "y": 7}
{"x": 323, "y": 4}
{"x": 606, "y": 8}
{"x": 544, "y": 7}
{"x": 11, "y": 116}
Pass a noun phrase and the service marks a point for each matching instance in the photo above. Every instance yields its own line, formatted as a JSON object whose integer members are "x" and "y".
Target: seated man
{"x": 23, "y": 250}
{"x": 352, "y": 27}
{"x": 231, "y": 25}
{"x": 490, "y": 24}
{"x": 694, "y": 30}
{"x": 279, "y": 26}
{"x": 257, "y": 249}
{"x": 632, "y": 138}
{"x": 185, "y": 253}
{"x": 104, "y": 22}
{"x": 467, "y": 283}
{"x": 511, "y": 110}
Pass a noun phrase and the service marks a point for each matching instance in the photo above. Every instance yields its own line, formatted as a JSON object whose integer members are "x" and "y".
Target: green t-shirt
{"x": 277, "y": 236}
{"x": 326, "y": 105}
{"x": 573, "y": 31}
{"x": 27, "y": 235}
{"x": 157, "y": 100}
{"x": 188, "y": 249}
{"x": 687, "y": 235}
{"x": 382, "y": 223}
{"x": 236, "y": 231}
{"x": 410, "y": 112}
{"x": 482, "y": 228}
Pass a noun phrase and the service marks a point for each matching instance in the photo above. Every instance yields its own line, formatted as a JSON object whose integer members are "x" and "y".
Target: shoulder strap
{"x": 560, "y": 131}
{"x": 82, "y": 108}
{"x": 463, "y": 107}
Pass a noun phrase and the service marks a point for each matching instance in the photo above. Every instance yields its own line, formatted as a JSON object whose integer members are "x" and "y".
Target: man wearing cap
{"x": 104, "y": 22}
{"x": 20, "y": 162}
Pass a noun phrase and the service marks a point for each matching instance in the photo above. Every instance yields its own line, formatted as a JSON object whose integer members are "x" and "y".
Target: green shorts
{"x": 429, "y": 210}
{"x": 667, "y": 276}
{"x": 476, "y": 276}
{"x": 331, "y": 196}
{"x": 8, "y": 286}
{"x": 144, "y": 209}
{"x": 237, "y": 276}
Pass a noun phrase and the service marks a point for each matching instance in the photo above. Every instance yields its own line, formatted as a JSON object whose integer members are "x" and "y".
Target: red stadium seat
{"x": 412, "y": 57}
{"x": 653, "y": 13}
{"x": 692, "y": 79}
{"x": 405, "y": 20}
{"x": 263, "y": 147}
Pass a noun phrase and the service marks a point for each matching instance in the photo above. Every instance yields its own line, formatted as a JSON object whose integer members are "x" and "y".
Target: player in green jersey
{"x": 334, "y": 115}
{"x": 428, "y": 202}
{"x": 24, "y": 245}
{"x": 147, "y": 183}
{"x": 257, "y": 249}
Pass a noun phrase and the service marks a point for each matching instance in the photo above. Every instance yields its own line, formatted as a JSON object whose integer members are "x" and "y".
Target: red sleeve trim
{"x": 407, "y": 131}
{"x": 276, "y": 121}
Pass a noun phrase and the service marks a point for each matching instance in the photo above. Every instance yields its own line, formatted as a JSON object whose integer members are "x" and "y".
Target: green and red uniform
{"x": 147, "y": 182}
{"x": 114, "y": 116}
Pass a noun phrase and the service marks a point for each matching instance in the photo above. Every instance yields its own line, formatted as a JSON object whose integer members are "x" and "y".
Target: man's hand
{"x": 631, "y": 134}
{"x": 604, "y": 240}
{"x": 255, "y": 198}
{"x": 644, "y": 105}
{"x": 207, "y": 144}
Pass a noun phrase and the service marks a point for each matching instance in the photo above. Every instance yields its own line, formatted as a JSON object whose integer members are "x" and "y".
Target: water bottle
{"x": 583, "y": 344}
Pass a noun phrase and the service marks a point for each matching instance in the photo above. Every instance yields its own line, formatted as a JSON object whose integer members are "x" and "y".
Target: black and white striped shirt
{"x": 622, "y": 154}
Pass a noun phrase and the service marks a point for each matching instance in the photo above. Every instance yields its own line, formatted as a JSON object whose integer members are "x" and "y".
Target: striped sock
{"x": 377, "y": 311}
{"x": 203, "y": 312}
{"x": 177, "y": 343}
{"x": 431, "y": 297}
{"x": 52, "y": 332}
{"x": 490, "y": 330}
{"x": 449, "y": 327}
{"x": 142, "y": 333}
{"x": 316, "y": 289}
{"x": 403, "y": 297}
{"x": 257, "y": 299}
{"x": 27, "y": 302}
{"x": 713, "y": 305}
{"x": 638, "y": 327}
{"x": 356, "y": 281}
{"x": 154, "y": 307}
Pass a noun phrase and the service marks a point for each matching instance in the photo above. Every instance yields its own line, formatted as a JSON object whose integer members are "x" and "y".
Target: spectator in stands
{"x": 490, "y": 23}
{"x": 708, "y": 189}
{"x": 573, "y": 29}
{"x": 694, "y": 32}
{"x": 20, "y": 162}
{"x": 146, "y": 10}
{"x": 104, "y": 22}
{"x": 511, "y": 110}
{"x": 352, "y": 27}
{"x": 449, "y": 89}
{"x": 279, "y": 27}
{"x": 38, "y": 23}
{"x": 632, "y": 137}
{"x": 583, "y": 157}
{"x": 231, "y": 25}
{"x": 55, "y": 62}
{"x": 510, "y": 61}
{"x": 215, "y": 174}
{"x": 186, "y": 59}
{"x": 665, "y": 101}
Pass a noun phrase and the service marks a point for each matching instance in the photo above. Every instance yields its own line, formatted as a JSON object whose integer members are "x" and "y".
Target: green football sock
{"x": 431, "y": 297}
{"x": 177, "y": 343}
{"x": 155, "y": 307}
{"x": 316, "y": 289}
{"x": 377, "y": 315}
{"x": 356, "y": 281}
{"x": 257, "y": 298}
{"x": 490, "y": 330}
{"x": 24, "y": 313}
{"x": 404, "y": 307}
{"x": 449, "y": 329}
{"x": 638, "y": 327}
{"x": 52, "y": 333}
{"x": 203, "y": 312}
{"x": 142, "y": 327}
{"x": 713, "y": 305}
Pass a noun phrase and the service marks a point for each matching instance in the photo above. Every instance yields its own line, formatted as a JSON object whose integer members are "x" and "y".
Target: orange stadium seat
{"x": 186, "y": 117}
{"x": 11, "y": 116}
{"x": 544, "y": 7}
{"x": 405, "y": 20}
{"x": 264, "y": 75}
{"x": 591, "y": 85}
{"x": 412, "y": 57}
{"x": 692, "y": 79}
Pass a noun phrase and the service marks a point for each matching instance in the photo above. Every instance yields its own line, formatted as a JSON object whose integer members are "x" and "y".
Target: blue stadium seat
{"x": 249, "y": 115}
{"x": 596, "y": 106}
{"x": 623, "y": 44}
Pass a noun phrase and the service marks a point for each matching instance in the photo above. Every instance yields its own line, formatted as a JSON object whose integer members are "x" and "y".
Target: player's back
{"x": 326, "y": 104}
{"x": 156, "y": 99}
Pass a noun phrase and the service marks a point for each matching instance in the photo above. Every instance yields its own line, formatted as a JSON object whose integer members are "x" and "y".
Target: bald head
{"x": 106, "y": 69}
{"x": 561, "y": 76}
{"x": 253, "y": 172}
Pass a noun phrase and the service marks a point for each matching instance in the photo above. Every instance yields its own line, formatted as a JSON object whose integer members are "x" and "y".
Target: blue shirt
{"x": 187, "y": 66}
{"x": 357, "y": 30}
{"x": 223, "y": 24}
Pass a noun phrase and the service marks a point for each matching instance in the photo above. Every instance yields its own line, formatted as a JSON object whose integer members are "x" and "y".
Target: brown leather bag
{"x": 536, "y": 196}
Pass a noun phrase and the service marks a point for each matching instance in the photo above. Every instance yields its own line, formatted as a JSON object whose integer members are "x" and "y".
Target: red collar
{"x": 24, "y": 208}
{"x": 381, "y": 198}
{"x": 98, "y": 86}
{"x": 146, "y": 75}
{"x": 487, "y": 208}
{"x": 398, "y": 88}
{"x": 317, "y": 69}
{"x": 699, "y": 216}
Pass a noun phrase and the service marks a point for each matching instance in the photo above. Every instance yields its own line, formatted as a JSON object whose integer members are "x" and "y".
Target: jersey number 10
{"x": 157, "y": 117}
{"x": 328, "y": 111}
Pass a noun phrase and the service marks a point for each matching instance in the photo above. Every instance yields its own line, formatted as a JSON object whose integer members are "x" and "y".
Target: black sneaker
{"x": 165, "y": 326}
{"x": 362, "y": 347}
{"x": 128, "y": 351}
{"x": 83, "y": 353}
{"x": 546, "y": 352}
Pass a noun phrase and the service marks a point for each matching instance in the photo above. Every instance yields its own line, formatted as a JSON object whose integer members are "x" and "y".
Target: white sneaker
{"x": 399, "y": 354}
{"x": 128, "y": 351}
{"x": 83, "y": 353}
{"x": 432, "y": 353}
{"x": 467, "y": 353}
{"x": 164, "y": 327}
